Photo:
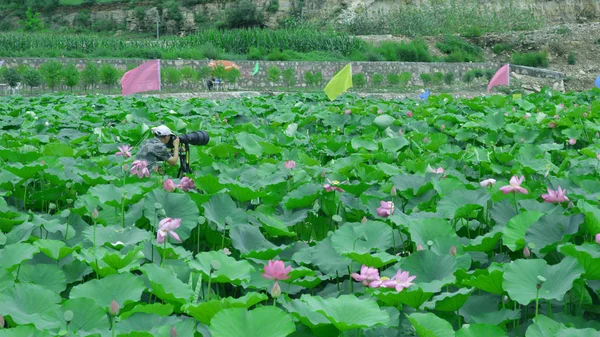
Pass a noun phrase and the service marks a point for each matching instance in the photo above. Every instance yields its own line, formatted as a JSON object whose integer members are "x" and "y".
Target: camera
{"x": 192, "y": 138}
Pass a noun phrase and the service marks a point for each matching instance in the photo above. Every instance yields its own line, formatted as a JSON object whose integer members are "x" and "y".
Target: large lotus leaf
{"x": 550, "y": 230}
{"x": 410, "y": 182}
{"x": 123, "y": 288}
{"x": 324, "y": 257}
{"x": 154, "y": 308}
{"x": 394, "y": 144}
{"x": 87, "y": 315}
{"x": 501, "y": 212}
{"x": 513, "y": 235}
{"x": 460, "y": 203}
{"x": 165, "y": 284}
{"x": 382, "y": 122}
{"x": 413, "y": 297}
{"x": 592, "y": 217}
{"x": 251, "y": 243}
{"x": 543, "y": 327}
{"x": 54, "y": 249}
{"x": 25, "y": 330}
{"x": 429, "y": 324}
{"x": 264, "y": 322}
{"x": 436, "y": 230}
{"x": 106, "y": 262}
{"x": 348, "y": 312}
{"x": 432, "y": 271}
{"x": 49, "y": 276}
{"x": 569, "y": 332}
{"x": 7, "y": 280}
{"x": 222, "y": 211}
{"x": 364, "y": 142}
{"x": 489, "y": 280}
{"x": 222, "y": 268}
{"x": 479, "y": 330}
{"x": 176, "y": 206}
{"x": 361, "y": 238}
{"x": 305, "y": 314}
{"x": 521, "y": 279}
{"x": 205, "y": 311}
{"x": 485, "y": 309}
{"x": 13, "y": 255}
{"x": 273, "y": 225}
{"x": 250, "y": 143}
{"x": 303, "y": 196}
{"x": 112, "y": 195}
{"x": 145, "y": 324}
{"x": 588, "y": 256}
{"x": 113, "y": 234}
{"x": 485, "y": 243}
{"x": 31, "y": 304}
{"x": 449, "y": 301}
{"x": 24, "y": 171}
{"x": 376, "y": 260}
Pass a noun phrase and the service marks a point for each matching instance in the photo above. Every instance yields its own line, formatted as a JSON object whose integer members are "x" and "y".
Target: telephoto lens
{"x": 195, "y": 138}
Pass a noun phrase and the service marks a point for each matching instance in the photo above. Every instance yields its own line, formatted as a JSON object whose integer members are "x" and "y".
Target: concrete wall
{"x": 327, "y": 69}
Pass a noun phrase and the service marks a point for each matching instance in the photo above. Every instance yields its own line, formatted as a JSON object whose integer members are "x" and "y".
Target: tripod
{"x": 184, "y": 162}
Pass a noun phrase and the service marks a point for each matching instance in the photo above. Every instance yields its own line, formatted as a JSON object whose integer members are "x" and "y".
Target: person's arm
{"x": 174, "y": 159}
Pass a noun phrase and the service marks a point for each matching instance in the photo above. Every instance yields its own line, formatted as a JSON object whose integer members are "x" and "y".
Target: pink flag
{"x": 502, "y": 77}
{"x": 145, "y": 77}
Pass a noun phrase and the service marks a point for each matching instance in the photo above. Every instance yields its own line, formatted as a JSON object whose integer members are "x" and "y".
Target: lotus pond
{"x": 303, "y": 217}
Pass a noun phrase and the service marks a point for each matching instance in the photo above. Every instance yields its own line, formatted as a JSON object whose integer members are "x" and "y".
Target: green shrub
{"x": 278, "y": 55}
{"x": 359, "y": 80}
{"x": 473, "y": 31}
{"x": 12, "y": 77}
{"x": 426, "y": 78}
{"x": 189, "y": 75}
{"x": 459, "y": 50}
{"x": 489, "y": 73}
{"x": 274, "y": 74}
{"x": 32, "y": 78}
{"x": 531, "y": 59}
{"x": 109, "y": 76}
{"x": 90, "y": 76}
{"x": 448, "y": 78}
{"x": 571, "y": 58}
{"x": 315, "y": 78}
{"x": 273, "y": 6}
{"x": 51, "y": 71}
{"x": 498, "y": 48}
{"x": 415, "y": 51}
{"x": 33, "y": 22}
{"x": 171, "y": 76}
{"x": 232, "y": 75}
{"x": 478, "y": 73}
{"x": 204, "y": 72}
{"x": 437, "y": 78}
{"x": 393, "y": 79}
{"x": 289, "y": 76}
{"x": 469, "y": 76}
{"x": 377, "y": 79}
{"x": 210, "y": 51}
{"x": 405, "y": 78}
{"x": 255, "y": 54}
{"x": 243, "y": 14}
{"x": 71, "y": 76}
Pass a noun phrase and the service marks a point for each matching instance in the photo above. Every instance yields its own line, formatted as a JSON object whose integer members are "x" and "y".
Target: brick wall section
{"x": 328, "y": 69}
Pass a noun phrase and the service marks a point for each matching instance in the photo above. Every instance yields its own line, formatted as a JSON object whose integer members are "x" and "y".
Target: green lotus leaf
{"x": 229, "y": 269}
{"x": 485, "y": 309}
{"x": 250, "y": 143}
{"x": 222, "y": 211}
{"x": 461, "y": 203}
{"x": 154, "y": 308}
{"x": 324, "y": 257}
{"x": 165, "y": 284}
{"x": 478, "y": 330}
{"x": 303, "y": 196}
{"x": 48, "y": 276}
{"x": 31, "y": 304}
{"x": 485, "y": 243}
{"x": 550, "y": 230}
{"x": 54, "y": 249}
{"x": 263, "y": 321}
{"x": 432, "y": 271}
{"x": 361, "y": 238}
{"x": 305, "y": 313}
{"x": 588, "y": 256}
{"x": 521, "y": 279}
{"x": 568, "y": 332}
{"x": 87, "y": 315}
{"x": 449, "y": 301}
{"x": 513, "y": 235}
{"x": 122, "y": 288}
{"x": 113, "y": 234}
{"x": 273, "y": 225}
{"x": 176, "y": 206}
{"x": 348, "y": 312}
{"x": 25, "y": 330}
{"x": 429, "y": 324}
{"x": 13, "y": 255}
{"x": 395, "y": 144}
{"x": 144, "y": 324}
{"x": 487, "y": 280}
{"x": 437, "y": 231}
{"x": 251, "y": 243}
{"x": 543, "y": 327}
{"x": 414, "y": 297}
{"x": 205, "y": 311}
{"x": 382, "y": 122}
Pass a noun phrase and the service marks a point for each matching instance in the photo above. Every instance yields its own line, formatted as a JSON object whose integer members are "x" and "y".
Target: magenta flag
{"x": 145, "y": 77}
{"x": 502, "y": 77}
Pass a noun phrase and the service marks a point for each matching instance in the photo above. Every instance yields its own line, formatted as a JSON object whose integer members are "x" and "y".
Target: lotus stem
{"x": 537, "y": 303}
{"x": 516, "y": 206}
{"x": 549, "y": 309}
{"x": 123, "y": 212}
{"x": 162, "y": 262}
{"x": 581, "y": 297}
{"x": 209, "y": 282}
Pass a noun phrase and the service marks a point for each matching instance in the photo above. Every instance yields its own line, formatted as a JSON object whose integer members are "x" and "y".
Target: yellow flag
{"x": 341, "y": 82}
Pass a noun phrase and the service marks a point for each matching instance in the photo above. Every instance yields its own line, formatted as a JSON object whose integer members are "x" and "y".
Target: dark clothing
{"x": 153, "y": 151}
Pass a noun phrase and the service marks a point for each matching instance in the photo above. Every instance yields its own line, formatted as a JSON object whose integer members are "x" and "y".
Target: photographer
{"x": 157, "y": 149}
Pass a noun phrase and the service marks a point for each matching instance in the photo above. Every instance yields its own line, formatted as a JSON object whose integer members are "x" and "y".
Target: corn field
{"x": 232, "y": 41}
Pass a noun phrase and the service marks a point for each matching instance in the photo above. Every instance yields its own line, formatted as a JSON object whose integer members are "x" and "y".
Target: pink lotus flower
{"x": 598, "y": 238}
{"x": 572, "y": 141}
{"x": 95, "y": 213}
{"x": 380, "y": 111}
{"x": 140, "y": 167}
{"x": 515, "y": 186}
{"x": 425, "y": 140}
{"x": 400, "y": 281}
{"x": 409, "y": 114}
{"x": 173, "y": 332}
{"x": 598, "y": 156}
{"x": 527, "y": 115}
{"x": 113, "y": 309}
{"x": 400, "y": 132}
{"x": 124, "y": 151}
{"x": 439, "y": 170}
{"x": 290, "y": 164}
{"x": 552, "y": 125}
{"x": 386, "y": 209}
{"x": 453, "y": 250}
{"x": 167, "y": 226}
{"x": 419, "y": 247}
{"x": 333, "y": 186}
{"x": 367, "y": 275}
{"x": 187, "y": 184}
{"x": 169, "y": 185}
{"x": 276, "y": 270}
{"x": 526, "y": 252}
{"x": 487, "y": 182}
{"x": 555, "y": 196}
{"x": 575, "y": 105}
{"x": 348, "y": 112}
{"x": 562, "y": 106}
{"x": 443, "y": 127}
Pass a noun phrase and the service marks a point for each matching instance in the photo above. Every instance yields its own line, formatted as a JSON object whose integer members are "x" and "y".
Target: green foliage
{"x": 219, "y": 71}
{"x": 109, "y": 76}
{"x": 278, "y": 55}
{"x": 449, "y": 78}
{"x": 204, "y": 72}
{"x": 459, "y": 50}
{"x": 210, "y": 51}
{"x": 70, "y": 75}
{"x": 172, "y": 76}
{"x": 313, "y": 78}
{"x": 359, "y": 80}
{"x": 531, "y": 59}
{"x": 51, "y": 70}
{"x": 405, "y": 78}
{"x": 289, "y": 77}
{"x": 255, "y": 54}
{"x": 232, "y": 75}
{"x": 243, "y": 14}
{"x": 414, "y": 51}
{"x": 498, "y": 48}
{"x": 437, "y": 78}
{"x": 12, "y": 77}
{"x": 274, "y": 74}
{"x": 189, "y": 75}
{"x": 90, "y": 76}
{"x": 393, "y": 79}
{"x": 377, "y": 79}
{"x": 273, "y": 6}
{"x": 571, "y": 58}
{"x": 32, "y": 78}
{"x": 469, "y": 76}
{"x": 426, "y": 78}
{"x": 32, "y": 22}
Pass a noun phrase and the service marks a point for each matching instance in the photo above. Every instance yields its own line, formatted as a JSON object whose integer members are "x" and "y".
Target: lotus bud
{"x": 526, "y": 252}
{"x": 570, "y": 205}
{"x": 443, "y": 127}
{"x": 585, "y": 115}
{"x": 551, "y": 125}
{"x": 597, "y": 135}
{"x": 364, "y": 219}
{"x": 95, "y": 213}
{"x": 114, "y": 308}
{"x": 453, "y": 250}
{"x": 173, "y": 332}
{"x": 409, "y": 114}
{"x": 425, "y": 140}
{"x": 323, "y": 174}
{"x": 394, "y": 192}
{"x": 598, "y": 156}
{"x": 400, "y": 132}
{"x": 379, "y": 111}
{"x": 527, "y": 115}
{"x": 276, "y": 290}
{"x": 52, "y": 205}
{"x": 522, "y": 140}
{"x": 1, "y": 322}
{"x": 348, "y": 112}
{"x": 226, "y": 251}
{"x": 572, "y": 141}
{"x": 597, "y": 241}
{"x": 419, "y": 247}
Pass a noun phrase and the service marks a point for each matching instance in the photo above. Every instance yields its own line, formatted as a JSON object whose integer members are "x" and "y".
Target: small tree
{"x": 448, "y": 78}
{"x": 32, "y": 22}
{"x": 393, "y": 79}
{"x": 219, "y": 72}
{"x": 108, "y": 76}
{"x": 12, "y": 77}
{"x": 426, "y": 78}
{"x": 438, "y": 77}
{"x": 405, "y": 78}
{"x": 273, "y": 74}
{"x": 32, "y": 78}
{"x": 52, "y": 72}
{"x": 90, "y": 76}
{"x": 308, "y": 78}
{"x": 172, "y": 76}
{"x": 71, "y": 76}
{"x": 189, "y": 76}
{"x": 359, "y": 80}
{"x": 289, "y": 77}
{"x": 317, "y": 78}
{"x": 232, "y": 75}
{"x": 377, "y": 79}
{"x": 204, "y": 72}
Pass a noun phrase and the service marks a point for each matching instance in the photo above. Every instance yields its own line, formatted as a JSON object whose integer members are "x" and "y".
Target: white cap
{"x": 161, "y": 131}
